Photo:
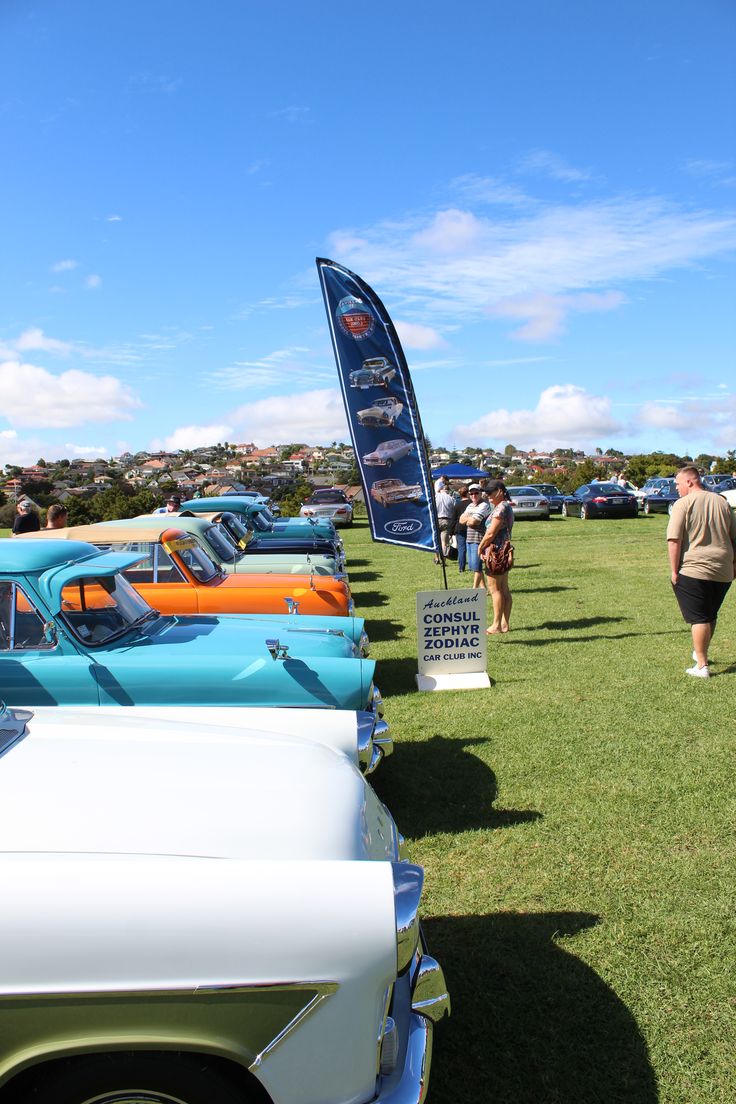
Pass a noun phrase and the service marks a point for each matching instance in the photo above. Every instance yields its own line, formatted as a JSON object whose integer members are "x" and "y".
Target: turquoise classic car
{"x": 74, "y": 631}
{"x": 271, "y": 545}
{"x": 230, "y": 556}
{"x": 261, "y": 519}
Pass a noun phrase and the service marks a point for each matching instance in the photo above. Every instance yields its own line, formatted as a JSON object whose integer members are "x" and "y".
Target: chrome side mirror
{"x": 277, "y": 649}
{"x": 49, "y": 633}
{"x": 292, "y": 606}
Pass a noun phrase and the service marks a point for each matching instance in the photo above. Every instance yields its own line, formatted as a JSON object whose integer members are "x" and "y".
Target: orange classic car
{"x": 176, "y": 575}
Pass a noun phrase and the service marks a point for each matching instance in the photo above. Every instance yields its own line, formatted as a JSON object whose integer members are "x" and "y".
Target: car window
{"x": 199, "y": 563}
{"x": 21, "y": 625}
{"x": 99, "y": 608}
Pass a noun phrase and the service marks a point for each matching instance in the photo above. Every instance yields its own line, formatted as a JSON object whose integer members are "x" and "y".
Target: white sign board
{"x": 451, "y": 639}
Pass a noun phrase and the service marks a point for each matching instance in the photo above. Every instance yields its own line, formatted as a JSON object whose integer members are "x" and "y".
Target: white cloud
{"x": 86, "y": 452}
{"x": 35, "y": 340}
{"x": 546, "y": 315}
{"x": 114, "y": 218}
{"x": 564, "y": 416}
{"x": 488, "y": 189}
{"x": 272, "y": 370}
{"x": 656, "y": 415}
{"x": 456, "y": 265}
{"x": 311, "y": 416}
{"x": 33, "y": 396}
{"x": 412, "y": 335}
{"x": 551, "y": 164}
{"x": 195, "y": 436}
{"x": 711, "y": 419}
{"x": 64, "y": 266}
{"x": 93, "y": 281}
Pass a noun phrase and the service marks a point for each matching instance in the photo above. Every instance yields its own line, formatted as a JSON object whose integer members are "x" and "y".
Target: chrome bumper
{"x": 414, "y": 1081}
{"x": 374, "y": 742}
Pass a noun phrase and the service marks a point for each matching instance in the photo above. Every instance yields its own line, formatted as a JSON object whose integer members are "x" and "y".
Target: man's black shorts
{"x": 699, "y": 599}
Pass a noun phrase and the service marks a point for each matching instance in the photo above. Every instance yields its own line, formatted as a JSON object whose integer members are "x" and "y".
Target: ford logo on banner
{"x": 402, "y": 527}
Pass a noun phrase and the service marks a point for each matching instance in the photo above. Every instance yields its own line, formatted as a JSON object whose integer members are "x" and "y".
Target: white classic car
{"x": 389, "y": 492}
{"x": 387, "y": 452}
{"x": 382, "y": 412}
{"x": 194, "y": 916}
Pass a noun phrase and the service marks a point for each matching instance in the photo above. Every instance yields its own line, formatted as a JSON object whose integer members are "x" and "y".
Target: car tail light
{"x": 600, "y": 498}
{"x": 408, "y": 882}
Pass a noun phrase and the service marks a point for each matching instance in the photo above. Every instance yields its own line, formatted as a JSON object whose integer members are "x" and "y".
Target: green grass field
{"x": 575, "y": 821}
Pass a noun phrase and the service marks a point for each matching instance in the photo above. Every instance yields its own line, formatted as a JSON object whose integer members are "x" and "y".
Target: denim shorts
{"x": 472, "y": 556}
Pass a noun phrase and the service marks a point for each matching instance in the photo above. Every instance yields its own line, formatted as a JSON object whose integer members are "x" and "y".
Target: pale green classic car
{"x": 194, "y": 915}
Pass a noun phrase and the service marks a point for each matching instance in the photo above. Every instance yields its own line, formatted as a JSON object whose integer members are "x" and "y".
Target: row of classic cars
{"x": 204, "y": 900}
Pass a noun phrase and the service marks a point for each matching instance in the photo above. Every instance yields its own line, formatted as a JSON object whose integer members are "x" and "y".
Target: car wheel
{"x": 134, "y": 1079}
{"x": 584, "y": 515}
{"x": 563, "y": 510}
{"x": 647, "y": 508}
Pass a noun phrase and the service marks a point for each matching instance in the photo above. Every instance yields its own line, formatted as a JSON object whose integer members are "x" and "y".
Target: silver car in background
{"x": 527, "y": 502}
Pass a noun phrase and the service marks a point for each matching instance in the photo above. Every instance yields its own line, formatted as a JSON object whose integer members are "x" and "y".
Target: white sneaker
{"x": 698, "y": 672}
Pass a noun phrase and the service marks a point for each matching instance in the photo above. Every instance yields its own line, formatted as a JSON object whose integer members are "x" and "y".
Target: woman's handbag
{"x": 499, "y": 559}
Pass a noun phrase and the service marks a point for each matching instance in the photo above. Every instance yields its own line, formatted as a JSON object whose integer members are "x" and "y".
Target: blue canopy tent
{"x": 459, "y": 471}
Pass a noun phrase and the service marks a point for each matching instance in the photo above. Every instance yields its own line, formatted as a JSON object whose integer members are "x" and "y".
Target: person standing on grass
{"x": 445, "y": 504}
{"x": 498, "y": 531}
{"x": 459, "y": 529}
{"x": 474, "y": 520}
{"x": 701, "y": 541}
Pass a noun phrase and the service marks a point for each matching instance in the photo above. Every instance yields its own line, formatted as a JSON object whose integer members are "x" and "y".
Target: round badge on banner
{"x": 354, "y": 317}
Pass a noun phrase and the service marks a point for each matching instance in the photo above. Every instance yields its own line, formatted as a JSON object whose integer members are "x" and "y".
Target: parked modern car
{"x": 389, "y": 492}
{"x": 387, "y": 452}
{"x": 382, "y": 412}
{"x": 528, "y": 502}
{"x": 718, "y": 483}
{"x": 554, "y": 495}
{"x": 74, "y": 631}
{"x": 662, "y": 498}
{"x": 649, "y": 487}
{"x": 328, "y": 503}
{"x": 374, "y": 372}
{"x": 259, "y": 517}
{"x": 193, "y": 918}
{"x": 175, "y": 575}
{"x": 594, "y": 500}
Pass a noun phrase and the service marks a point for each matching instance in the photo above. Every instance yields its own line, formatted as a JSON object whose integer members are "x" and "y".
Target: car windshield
{"x": 524, "y": 492}
{"x": 99, "y": 608}
{"x": 199, "y": 563}
{"x": 236, "y": 528}
{"x": 609, "y": 489}
{"x": 547, "y": 489}
{"x": 222, "y": 544}
{"x": 260, "y": 521}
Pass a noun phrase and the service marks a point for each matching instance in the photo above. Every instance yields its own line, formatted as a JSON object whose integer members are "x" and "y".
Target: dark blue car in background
{"x": 597, "y": 500}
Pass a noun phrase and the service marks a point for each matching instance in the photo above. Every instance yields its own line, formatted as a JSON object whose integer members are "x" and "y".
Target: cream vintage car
{"x": 197, "y": 916}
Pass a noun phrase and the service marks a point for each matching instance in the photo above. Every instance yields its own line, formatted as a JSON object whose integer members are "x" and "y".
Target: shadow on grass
{"x": 396, "y": 676}
{"x": 533, "y": 1023}
{"x": 586, "y": 639}
{"x": 541, "y": 590}
{"x": 385, "y": 630}
{"x": 369, "y": 598}
{"x": 524, "y": 567}
{"x": 362, "y": 576}
{"x": 358, "y": 563}
{"x": 582, "y": 623}
{"x": 436, "y": 786}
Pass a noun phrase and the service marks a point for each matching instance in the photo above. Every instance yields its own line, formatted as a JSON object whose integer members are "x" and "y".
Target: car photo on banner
{"x": 382, "y": 412}
{"x": 375, "y": 372}
{"x": 387, "y": 453}
{"x": 390, "y": 492}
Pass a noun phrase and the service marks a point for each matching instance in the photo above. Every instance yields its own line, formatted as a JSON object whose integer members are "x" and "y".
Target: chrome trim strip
{"x": 325, "y": 989}
{"x": 408, "y": 882}
{"x": 235, "y": 987}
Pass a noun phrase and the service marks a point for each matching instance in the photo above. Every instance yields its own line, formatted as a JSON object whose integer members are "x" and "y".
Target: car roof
{"x": 32, "y": 556}
{"x": 125, "y": 530}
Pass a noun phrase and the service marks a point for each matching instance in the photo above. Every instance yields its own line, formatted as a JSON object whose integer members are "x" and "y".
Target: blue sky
{"x": 542, "y": 192}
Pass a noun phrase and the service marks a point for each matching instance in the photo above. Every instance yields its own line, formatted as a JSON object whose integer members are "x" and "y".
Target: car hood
{"x": 75, "y": 783}
{"x": 230, "y": 634}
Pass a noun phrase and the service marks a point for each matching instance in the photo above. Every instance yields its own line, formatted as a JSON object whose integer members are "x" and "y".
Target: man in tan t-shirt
{"x": 701, "y": 540}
